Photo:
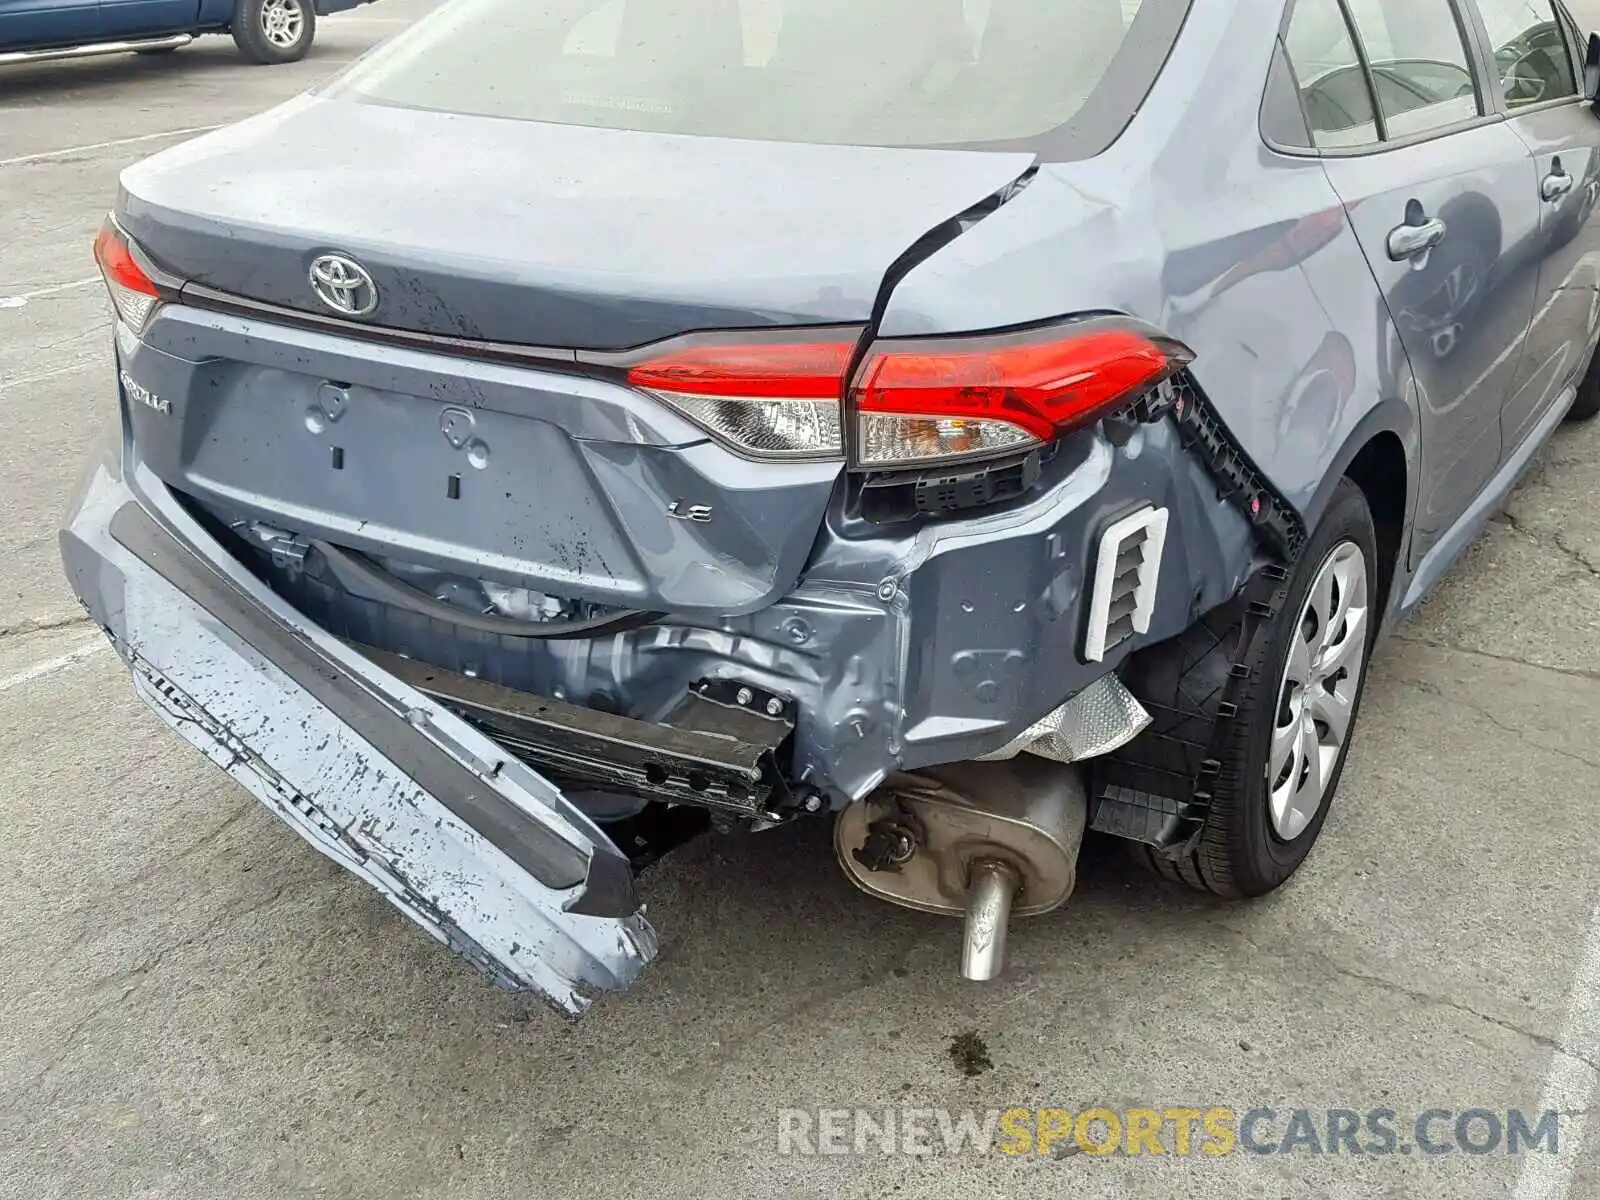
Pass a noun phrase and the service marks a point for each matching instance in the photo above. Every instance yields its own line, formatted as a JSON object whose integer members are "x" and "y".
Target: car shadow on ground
{"x": 744, "y": 916}
{"x": 750, "y": 925}
{"x": 200, "y": 61}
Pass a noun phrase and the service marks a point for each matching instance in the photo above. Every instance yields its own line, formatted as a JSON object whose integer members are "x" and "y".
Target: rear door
{"x": 1537, "y": 67}
{"x": 28, "y": 23}
{"x": 1444, "y": 200}
{"x": 138, "y": 18}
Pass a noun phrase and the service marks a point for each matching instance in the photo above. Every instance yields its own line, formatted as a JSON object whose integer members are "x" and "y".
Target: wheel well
{"x": 1379, "y": 470}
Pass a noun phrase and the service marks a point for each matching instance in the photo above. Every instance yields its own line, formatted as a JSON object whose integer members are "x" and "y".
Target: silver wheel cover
{"x": 1316, "y": 699}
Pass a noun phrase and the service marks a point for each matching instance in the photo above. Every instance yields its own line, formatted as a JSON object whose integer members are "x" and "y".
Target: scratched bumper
{"x": 474, "y": 847}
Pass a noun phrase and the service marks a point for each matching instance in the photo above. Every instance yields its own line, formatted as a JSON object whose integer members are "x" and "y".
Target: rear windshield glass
{"x": 867, "y": 72}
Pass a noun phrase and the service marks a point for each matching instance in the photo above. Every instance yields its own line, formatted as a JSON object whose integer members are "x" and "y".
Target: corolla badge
{"x": 137, "y": 391}
{"x": 343, "y": 285}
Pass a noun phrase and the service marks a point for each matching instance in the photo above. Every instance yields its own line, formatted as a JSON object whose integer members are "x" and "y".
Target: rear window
{"x": 867, "y": 72}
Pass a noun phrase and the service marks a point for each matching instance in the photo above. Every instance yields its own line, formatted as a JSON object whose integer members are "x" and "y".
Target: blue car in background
{"x": 266, "y": 31}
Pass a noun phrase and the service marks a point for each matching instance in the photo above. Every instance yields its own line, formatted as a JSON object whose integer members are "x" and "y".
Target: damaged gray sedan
{"x": 590, "y": 424}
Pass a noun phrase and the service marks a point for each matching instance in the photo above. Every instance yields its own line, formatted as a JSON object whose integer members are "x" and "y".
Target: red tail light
{"x": 771, "y": 398}
{"x": 764, "y": 370}
{"x": 954, "y": 397}
{"x": 914, "y": 400}
{"x": 133, "y": 293}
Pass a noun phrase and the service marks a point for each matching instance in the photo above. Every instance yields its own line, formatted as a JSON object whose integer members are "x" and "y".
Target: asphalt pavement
{"x": 196, "y": 1004}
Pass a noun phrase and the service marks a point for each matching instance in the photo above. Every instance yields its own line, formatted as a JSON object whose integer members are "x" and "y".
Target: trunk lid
{"x": 542, "y": 234}
{"x": 530, "y": 475}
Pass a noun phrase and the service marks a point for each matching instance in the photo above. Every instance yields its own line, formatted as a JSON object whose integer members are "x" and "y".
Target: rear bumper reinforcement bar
{"x": 711, "y": 754}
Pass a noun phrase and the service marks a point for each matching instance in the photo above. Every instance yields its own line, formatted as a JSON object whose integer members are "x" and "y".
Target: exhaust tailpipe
{"x": 986, "y": 840}
{"x": 983, "y": 940}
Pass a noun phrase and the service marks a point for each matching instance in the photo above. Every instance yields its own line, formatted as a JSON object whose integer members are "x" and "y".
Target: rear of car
{"x": 529, "y": 435}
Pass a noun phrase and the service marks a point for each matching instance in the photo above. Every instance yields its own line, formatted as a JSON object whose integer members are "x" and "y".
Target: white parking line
{"x": 1570, "y": 1087}
{"x": 21, "y": 298}
{"x": 51, "y": 665}
{"x": 52, "y": 374}
{"x": 41, "y": 155}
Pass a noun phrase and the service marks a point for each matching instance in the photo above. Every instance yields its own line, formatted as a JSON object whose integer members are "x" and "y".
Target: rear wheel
{"x": 274, "y": 31}
{"x": 1282, "y": 764}
{"x": 1587, "y": 405}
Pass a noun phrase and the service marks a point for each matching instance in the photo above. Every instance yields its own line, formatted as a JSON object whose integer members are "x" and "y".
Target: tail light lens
{"x": 133, "y": 293}
{"x": 913, "y": 400}
{"x": 772, "y": 399}
{"x": 923, "y": 400}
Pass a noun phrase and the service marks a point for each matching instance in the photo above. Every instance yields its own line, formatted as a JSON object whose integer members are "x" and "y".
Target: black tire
{"x": 1239, "y": 853}
{"x": 1587, "y": 405}
{"x": 250, "y": 32}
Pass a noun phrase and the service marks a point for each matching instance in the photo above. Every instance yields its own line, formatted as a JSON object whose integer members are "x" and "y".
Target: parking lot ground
{"x": 196, "y": 1004}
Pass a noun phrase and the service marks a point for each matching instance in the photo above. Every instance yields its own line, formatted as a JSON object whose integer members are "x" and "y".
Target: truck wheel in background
{"x": 274, "y": 31}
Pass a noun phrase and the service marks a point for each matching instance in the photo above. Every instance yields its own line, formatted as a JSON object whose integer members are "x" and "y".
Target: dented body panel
{"x": 255, "y": 413}
{"x": 1197, "y": 226}
{"x": 902, "y": 650}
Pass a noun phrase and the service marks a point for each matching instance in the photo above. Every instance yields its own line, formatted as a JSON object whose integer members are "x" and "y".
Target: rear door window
{"x": 1403, "y": 70}
{"x": 1577, "y": 43}
{"x": 1332, "y": 82}
{"x": 872, "y": 72}
{"x": 1421, "y": 66}
{"x": 1531, "y": 55}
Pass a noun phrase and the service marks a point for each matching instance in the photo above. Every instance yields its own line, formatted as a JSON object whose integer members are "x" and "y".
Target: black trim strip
{"x": 211, "y": 300}
{"x": 608, "y": 879}
{"x": 1239, "y": 481}
{"x": 1278, "y": 526}
{"x": 1380, "y": 123}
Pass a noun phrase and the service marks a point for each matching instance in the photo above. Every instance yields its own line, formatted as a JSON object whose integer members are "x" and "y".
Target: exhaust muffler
{"x": 986, "y": 840}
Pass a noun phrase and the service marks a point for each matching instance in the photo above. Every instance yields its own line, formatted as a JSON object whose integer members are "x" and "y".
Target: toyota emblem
{"x": 343, "y": 285}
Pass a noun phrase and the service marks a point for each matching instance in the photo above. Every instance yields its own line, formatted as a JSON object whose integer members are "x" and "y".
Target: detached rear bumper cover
{"x": 469, "y": 843}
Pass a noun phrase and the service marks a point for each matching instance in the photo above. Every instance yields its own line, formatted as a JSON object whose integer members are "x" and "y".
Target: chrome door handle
{"x": 1555, "y": 185}
{"x": 1413, "y": 241}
